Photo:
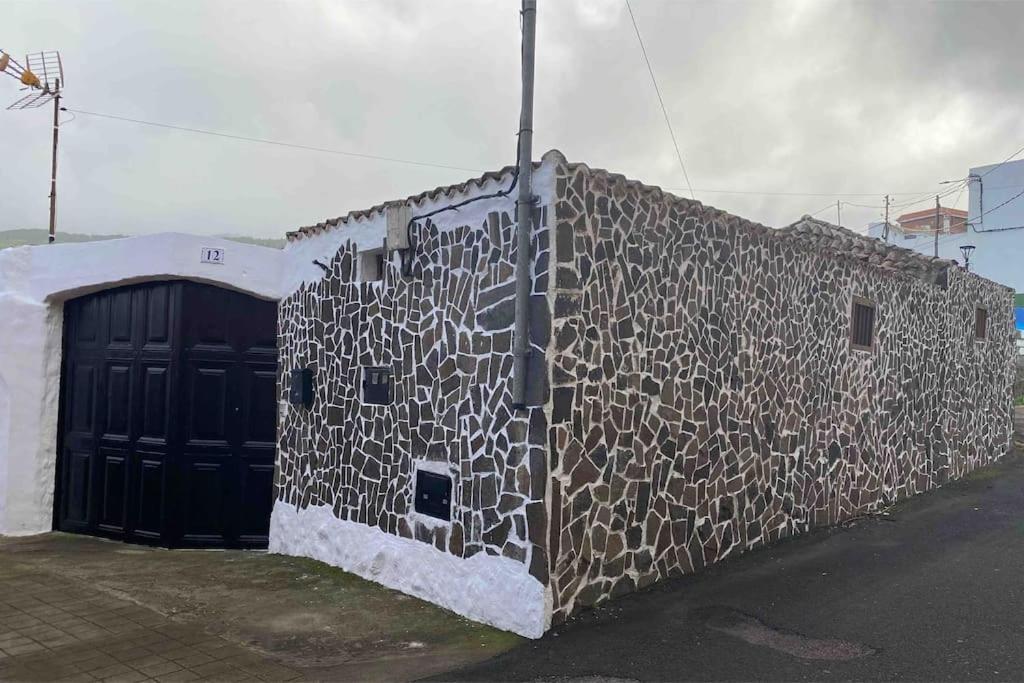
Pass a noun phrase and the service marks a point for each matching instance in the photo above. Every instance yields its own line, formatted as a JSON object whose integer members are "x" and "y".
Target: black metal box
{"x": 434, "y": 495}
{"x": 377, "y": 386}
{"x": 301, "y": 388}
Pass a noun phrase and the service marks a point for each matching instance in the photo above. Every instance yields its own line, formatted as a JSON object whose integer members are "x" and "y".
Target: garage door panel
{"x": 260, "y": 426}
{"x": 259, "y": 336}
{"x": 209, "y": 326}
{"x": 150, "y": 494}
{"x": 86, "y": 323}
{"x": 204, "y": 506}
{"x": 156, "y": 403}
{"x": 208, "y": 418}
{"x": 120, "y": 318}
{"x": 159, "y": 317}
{"x": 256, "y": 499}
{"x": 77, "y": 486}
{"x": 113, "y": 489}
{"x": 118, "y": 402}
{"x": 82, "y": 404}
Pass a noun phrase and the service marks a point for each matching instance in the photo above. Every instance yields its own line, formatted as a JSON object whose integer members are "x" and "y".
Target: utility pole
{"x": 885, "y": 229}
{"x": 524, "y": 211}
{"x": 936, "y": 226}
{"x": 839, "y": 215}
{"x": 53, "y": 167}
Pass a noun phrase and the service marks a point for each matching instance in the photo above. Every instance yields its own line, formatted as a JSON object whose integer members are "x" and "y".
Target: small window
{"x": 377, "y": 386}
{"x": 371, "y": 265}
{"x": 862, "y": 324}
{"x": 980, "y": 324}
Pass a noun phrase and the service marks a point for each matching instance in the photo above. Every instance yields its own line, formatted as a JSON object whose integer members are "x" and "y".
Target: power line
{"x": 924, "y": 196}
{"x": 958, "y": 195}
{"x": 997, "y": 206}
{"x": 264, "y": 141}
{"x": 822, "y": 209}
{"x": 1001, "y": 163}
{"x": 657, "y": 91}
{"x": 928, "y": 198}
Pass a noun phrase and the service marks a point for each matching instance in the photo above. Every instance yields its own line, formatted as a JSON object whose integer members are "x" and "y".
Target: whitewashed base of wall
{"x": 486, "y": 588}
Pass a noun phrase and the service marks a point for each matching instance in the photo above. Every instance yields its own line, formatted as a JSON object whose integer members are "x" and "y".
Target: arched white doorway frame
{"x": 34, "y": 284}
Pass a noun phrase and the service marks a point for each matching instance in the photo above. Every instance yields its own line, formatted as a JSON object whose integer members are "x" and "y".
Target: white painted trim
{"x": 34, "y": 283}
{"x": 434, "y": 467}
{"x": 494, "y": 590}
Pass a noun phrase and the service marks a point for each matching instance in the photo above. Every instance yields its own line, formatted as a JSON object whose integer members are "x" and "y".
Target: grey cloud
{"x": 775, "y": 96}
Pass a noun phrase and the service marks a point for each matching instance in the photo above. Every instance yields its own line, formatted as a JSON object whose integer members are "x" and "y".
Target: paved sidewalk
{"x": 54, "y": 629}
{"x": 83, "y": 608}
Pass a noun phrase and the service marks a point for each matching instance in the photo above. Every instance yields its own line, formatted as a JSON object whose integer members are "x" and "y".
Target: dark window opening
{"x": 377, "y": 385}
{"x": 862, "y": 324}
{"x": 371, "y": 266}
{"x": 433, "y": 495}
{"x": 980, "y": 324}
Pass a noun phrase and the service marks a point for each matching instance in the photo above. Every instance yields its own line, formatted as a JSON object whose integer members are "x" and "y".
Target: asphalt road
{"x": 933, "y": 591}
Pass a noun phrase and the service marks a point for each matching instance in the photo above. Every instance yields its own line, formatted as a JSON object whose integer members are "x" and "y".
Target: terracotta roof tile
{"x": 814, "y": 233}
{"x": 832, "y": 238}
{"x": 450, "y": 191}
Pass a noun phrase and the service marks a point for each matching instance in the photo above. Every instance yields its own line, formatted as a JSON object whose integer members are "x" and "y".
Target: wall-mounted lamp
{"x": 966, "y": 250}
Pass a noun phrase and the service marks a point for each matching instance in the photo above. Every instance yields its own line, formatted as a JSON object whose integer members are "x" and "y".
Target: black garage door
{"x": 168, "y": 416}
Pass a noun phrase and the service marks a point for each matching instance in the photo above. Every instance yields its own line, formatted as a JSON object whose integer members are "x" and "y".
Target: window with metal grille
{"x": 862, "y": 324}
{"x": 980, "y": 324}
{"x": 377, "y": 386}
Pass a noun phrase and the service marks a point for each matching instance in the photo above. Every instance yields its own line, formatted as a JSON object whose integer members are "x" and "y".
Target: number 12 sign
{"x": 212, "y": 255}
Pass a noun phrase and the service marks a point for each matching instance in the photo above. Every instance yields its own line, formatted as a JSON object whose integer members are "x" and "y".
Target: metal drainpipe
{"x": 524, "y": 212}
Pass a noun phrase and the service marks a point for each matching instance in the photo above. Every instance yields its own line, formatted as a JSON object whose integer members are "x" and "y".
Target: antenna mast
{"x": 43, "y": 78}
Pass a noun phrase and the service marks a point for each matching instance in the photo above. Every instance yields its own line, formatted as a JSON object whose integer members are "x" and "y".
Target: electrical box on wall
{"x": 398, "y": 216}
{"x": 377, "y": 386}
{"x": 433, "y": 495}
{"x": 301, "y": 388}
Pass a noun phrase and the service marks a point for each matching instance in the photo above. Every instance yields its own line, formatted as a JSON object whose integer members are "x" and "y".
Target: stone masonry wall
{"x": 706, "y": 400}
{"x": 446, "y": 333}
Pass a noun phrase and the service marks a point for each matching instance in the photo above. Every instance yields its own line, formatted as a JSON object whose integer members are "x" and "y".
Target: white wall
{"x": 34, "y": 283}
{"x": 999, "y": 251}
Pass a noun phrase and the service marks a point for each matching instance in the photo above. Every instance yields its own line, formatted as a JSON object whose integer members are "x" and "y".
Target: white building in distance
{"x": 994, "y": 226}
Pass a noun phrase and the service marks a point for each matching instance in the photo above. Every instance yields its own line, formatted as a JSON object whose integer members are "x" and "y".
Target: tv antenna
{"x": 43, "y": 78}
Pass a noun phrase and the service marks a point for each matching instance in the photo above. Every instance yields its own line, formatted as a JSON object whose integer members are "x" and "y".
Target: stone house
{"x": 700, "y": 385}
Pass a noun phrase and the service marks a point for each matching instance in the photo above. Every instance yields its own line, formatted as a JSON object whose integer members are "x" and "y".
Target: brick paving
{"x": 58, "y": 629}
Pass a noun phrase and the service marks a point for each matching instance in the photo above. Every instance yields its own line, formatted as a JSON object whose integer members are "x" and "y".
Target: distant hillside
{"x": 22, "y": 238}
{"x": 272, "y": 242}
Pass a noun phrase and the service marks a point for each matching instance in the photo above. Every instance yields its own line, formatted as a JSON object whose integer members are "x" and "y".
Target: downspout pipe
{"x": 524, "y": 212}
{"x": 981, "y": 196}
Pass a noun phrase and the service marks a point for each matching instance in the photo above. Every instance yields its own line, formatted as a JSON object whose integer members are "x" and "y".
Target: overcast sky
{"x": 785, "y": 97}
